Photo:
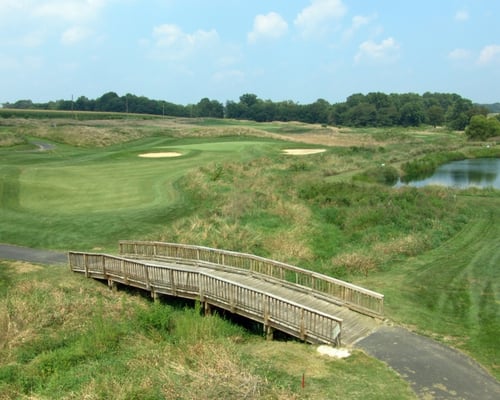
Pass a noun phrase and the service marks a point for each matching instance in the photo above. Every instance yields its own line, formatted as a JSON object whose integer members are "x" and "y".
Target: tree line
{"x": 374, "y": 109}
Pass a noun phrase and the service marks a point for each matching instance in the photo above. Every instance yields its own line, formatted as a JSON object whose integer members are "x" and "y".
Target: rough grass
{"x": 64, "y": 336}
{"x": 432, "y": 252}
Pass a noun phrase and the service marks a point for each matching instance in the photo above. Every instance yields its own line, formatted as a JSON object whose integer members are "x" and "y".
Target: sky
{"x": 300, "y": 50}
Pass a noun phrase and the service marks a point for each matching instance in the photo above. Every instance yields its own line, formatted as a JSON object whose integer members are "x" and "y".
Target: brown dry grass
{"x": 356, "y": 262}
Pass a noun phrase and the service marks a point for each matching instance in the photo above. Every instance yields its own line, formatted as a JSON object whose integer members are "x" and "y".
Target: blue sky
{"x": 299, "y": 50}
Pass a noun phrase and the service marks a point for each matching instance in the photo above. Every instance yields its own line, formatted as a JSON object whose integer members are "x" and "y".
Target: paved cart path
{"x": 434, "y": 371}
{"x": 36, "y": 256}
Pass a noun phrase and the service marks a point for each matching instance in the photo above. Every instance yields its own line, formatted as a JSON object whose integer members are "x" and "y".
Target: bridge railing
{"x": 297, "y": 320}
{"x": 352, "y": 296}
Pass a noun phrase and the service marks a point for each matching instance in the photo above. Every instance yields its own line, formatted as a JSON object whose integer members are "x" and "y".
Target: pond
{"x": 478, "y": 172}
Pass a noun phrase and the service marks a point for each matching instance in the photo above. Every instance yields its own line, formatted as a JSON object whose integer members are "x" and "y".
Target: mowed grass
{"x": 452, "y": 293}
{"x": 432, "y": 252}
{"x": 84, "y": 198}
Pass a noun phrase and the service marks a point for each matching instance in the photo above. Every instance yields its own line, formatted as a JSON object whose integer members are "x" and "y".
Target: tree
{"x": 317, "y": 112}
{"x": 412, "y": 114}
{"x": 248, "y": 99}
{"x": 458, "y": 115}
{"x": 435, "y": 115}
{"x": 363, "y": 114}
{"x": 209, "y": 108}
{"x": 84, "y": 104}
{"x": 482, "y": 128}
{"x": 110, "y": 102}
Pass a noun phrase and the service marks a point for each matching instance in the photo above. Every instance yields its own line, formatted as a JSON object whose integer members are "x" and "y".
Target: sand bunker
{"x": 333, "y": 352}
{"x": 301, "y": 152}
{"x": 161, "y": 155}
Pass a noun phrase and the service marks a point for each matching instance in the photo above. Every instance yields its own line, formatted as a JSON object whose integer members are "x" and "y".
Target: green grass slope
{"x": 433, "y": 252}
{"x": 66, "y": 337}
{"x": 83, "y": 198}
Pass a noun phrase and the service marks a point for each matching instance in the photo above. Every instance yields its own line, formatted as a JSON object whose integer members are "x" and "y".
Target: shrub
{"x": 381, "y": 174}
{"x": 426, "y": 165}
{"x": 482, "y": 128}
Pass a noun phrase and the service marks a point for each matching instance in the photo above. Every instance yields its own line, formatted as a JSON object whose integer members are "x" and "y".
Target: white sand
{"x": 333, "y": 352}
{"x": 160, "y": 155}
{"x": 301, "y": 152}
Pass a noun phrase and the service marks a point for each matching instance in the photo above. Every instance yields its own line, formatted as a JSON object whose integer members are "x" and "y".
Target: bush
{"x": 425, "y": 166}
{"x": 482, "y": 128}
{"x": 382, "y": 174}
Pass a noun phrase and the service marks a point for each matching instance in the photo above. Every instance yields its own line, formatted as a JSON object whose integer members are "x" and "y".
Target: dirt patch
{"x": 22, "y": 267}
{"x": 167, "y": 154}
{"x": 301, "y": 152}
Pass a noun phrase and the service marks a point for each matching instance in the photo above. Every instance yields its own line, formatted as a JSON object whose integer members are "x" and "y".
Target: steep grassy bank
{"x": 432, "y": 251}
{"x": 63, "y": 336}
{"x": 452, "y": 291}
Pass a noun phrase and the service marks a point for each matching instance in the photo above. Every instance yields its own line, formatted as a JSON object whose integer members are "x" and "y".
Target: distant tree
{"x": 319, "y": 111}
{"x": 435, "y": 115}
{"x": 362, "y": 114}
{"x": 110, "y": 102}
{"x": 482, "y": 128}
{"x": 286, "y": 111}
{"x": 355, "y": 99}
{"x": 22, "y": 104}
{"x": 388, "y": 116}
{"x": 412, "y": 114}
{"x": 84, "y": 104}
{"x": 379, "y": 100}
{"x": 208, "y": 108}
{"x": 458, "y": 114}
{"x": 248, "y": 99}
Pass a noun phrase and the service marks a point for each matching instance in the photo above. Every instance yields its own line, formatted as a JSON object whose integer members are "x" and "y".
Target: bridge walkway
{"x": 355, "y": 325}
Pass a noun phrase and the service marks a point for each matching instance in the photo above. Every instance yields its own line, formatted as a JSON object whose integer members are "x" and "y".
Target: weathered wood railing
{"x": 352, "y": 296}
{"x": 305, "y": 323}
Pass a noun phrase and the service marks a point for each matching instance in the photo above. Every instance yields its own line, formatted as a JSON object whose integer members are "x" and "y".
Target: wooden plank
{"x": 358, "y": 298}
{"x": 243, "y": 294}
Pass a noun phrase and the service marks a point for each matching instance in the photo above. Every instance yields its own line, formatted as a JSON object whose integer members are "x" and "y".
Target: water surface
{"x": 479, "y": 172}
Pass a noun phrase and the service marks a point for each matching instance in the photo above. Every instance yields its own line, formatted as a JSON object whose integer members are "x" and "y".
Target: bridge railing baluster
{"x": 352, "y": 296}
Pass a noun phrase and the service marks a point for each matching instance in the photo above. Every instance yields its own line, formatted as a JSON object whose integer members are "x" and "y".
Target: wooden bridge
{"x": 307, "y": 305}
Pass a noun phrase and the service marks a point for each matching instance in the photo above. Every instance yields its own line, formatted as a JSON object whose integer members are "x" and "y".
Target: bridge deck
{"x": 278, "y": 304}
{"x": 355, "y": 326}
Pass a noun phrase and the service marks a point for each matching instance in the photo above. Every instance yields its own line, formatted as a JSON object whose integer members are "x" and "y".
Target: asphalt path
{"x": 433, "y": 370}
{"x": 36, "y": 256}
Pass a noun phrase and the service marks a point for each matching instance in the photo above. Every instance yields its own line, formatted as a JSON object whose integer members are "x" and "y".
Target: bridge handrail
{"x": 355, "y": 297}
{"x": 275, "y": 311}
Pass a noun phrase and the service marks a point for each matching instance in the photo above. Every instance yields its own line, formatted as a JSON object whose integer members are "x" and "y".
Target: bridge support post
{"x": 269, "y": 331}
{"x": 112, "y": 285}
{"x": 154, "y": 295}
{"x": 207, "y": 308}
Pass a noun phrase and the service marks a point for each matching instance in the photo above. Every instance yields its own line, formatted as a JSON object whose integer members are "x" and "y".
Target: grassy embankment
{"x": 419, "y": 247}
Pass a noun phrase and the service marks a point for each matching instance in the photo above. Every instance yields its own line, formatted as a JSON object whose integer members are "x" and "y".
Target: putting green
{"x": 76, "y": 197}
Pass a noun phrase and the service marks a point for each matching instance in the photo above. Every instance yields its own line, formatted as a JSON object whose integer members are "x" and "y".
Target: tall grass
{"x": 431, "y": 251}
{"x": 64, "y": 336}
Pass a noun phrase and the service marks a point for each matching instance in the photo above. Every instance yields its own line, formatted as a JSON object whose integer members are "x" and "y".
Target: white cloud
{"x": 489, "y": 54}
{"x": 461, "y": 15}
{"x": 459, "y": 54}
{"x": 358, "y": 21}
{"x": 51, "y": 16}
{"x": 315, "y": 18}
{"x": 61, "y": 10}
{"x": 68, "y": 10}
{"x": 385, "y": 51}
{"x": 270, "y": 26}
{"x": 172, "y": 43}
{"x": 74, "y": 35}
